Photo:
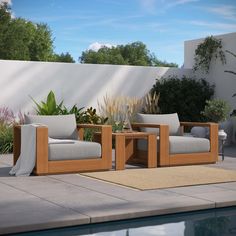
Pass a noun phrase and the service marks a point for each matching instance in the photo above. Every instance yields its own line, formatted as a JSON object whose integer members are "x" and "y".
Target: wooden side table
{"x": 125, "y": 148}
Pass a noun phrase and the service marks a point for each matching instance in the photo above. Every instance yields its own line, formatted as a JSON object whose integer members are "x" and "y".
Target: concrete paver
{"x": 41, "y": 202}
{"x": 21, "y": 212}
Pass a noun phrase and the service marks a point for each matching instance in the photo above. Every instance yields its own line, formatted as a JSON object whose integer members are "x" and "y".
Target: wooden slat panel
{"x": 191, "y": 158}
{"x": 152, "y": 151}
{"x": 74, "y": 166}
{"x": 41, "y": 166}
{"x": 106, "y": 142}
{"x": 16, "y": 143}
{"x": 164, "y": 158}
{"x": 120, "y": 152}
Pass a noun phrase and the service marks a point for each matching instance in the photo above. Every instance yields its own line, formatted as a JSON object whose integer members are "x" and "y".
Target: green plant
{"x": 90, "y": 116}
{"x": 233, "y": 113}
{"x": 74, "y": 110}
{"x": 216, "y": 110}
{"x": 150, "y": 103}
{"x": 185, "y": 96}
{"x": 6, "y": 138}
{"x": 7, "y": 120}
{"x": 50, "y": 107}
{"x": 7, "y": 116}
{"x": 210, "y": 48}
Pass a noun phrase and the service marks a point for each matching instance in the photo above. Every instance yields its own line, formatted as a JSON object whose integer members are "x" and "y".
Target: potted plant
{"x": 217, "y": 110}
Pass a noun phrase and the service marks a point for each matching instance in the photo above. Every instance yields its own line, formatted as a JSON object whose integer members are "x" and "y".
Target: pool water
{"x": 217, "y": 222}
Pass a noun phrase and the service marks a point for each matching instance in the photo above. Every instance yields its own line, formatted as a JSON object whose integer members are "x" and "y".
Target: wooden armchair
{"x": 167, "y": 155}
{"x": 45, "y": 166}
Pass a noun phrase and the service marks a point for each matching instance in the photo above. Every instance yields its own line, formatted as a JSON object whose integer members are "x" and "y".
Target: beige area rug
{"x": 167, "y": 177}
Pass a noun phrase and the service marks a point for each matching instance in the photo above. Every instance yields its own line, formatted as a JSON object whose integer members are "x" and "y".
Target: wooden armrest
{"x": 91, "y": 126}
{"x": 147, "y": 125}
{"x": 203, "y": 124}
{"x": 104, "y": 129}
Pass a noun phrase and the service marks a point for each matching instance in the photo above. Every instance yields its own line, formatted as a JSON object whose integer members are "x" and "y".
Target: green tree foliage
{"x": 186, "y": 96}
{"x": 24, "y": 40}
{"x": 130, "y": 54}
{"x": 63, "y": 57}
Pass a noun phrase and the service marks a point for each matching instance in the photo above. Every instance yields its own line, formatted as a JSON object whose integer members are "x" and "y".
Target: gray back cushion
{"x": 172, "y": 120}
{"x": 59, "y": 126}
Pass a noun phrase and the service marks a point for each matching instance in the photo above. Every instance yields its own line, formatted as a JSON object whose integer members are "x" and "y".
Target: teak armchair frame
{"x": 164, "y": 158}
{"x": 44, "y": 166}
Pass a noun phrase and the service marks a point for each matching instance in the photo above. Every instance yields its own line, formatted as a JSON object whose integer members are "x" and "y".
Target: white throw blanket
{"x": 26, "y": 161}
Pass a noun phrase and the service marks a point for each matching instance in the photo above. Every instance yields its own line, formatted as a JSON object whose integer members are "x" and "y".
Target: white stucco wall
{"x": 225, "y": 83}
{"x": 81, "y": 84}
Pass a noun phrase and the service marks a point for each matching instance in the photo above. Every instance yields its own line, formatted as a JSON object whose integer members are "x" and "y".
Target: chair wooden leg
{"x": 164, "y": 156}
{"x": 152, "y": 151}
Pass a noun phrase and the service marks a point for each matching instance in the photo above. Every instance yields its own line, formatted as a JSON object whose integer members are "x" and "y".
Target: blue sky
{"x": 163, "y": 25}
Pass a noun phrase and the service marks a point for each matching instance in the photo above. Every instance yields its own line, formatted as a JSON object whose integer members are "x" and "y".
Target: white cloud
{"x": 214, "y": 25}
{"x": 179, "y": 2}
{"x": 7, "y": 1}
{"x": 96, "y": 46}
{"x": 153, "y": 6}
{"x": 228, "y": 12}
{"x": 148, "y": 5}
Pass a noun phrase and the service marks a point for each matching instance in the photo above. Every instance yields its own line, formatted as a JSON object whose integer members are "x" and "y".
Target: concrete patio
{"x": 34, "y": 203}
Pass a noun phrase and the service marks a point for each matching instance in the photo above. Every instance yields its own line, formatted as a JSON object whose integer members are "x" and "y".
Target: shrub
{"x": 6, "y": 139}
{"x": 6, "y": 116}
{"x": 185, "y": 96}
{"x": 216, "y": 110}
{"x": 7, "y": 120}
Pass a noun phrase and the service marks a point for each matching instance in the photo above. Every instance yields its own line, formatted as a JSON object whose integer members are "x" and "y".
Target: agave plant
{"x": 50, "y": 107}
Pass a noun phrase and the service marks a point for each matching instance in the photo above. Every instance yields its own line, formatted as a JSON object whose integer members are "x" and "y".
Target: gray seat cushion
{"x": 182, "y": 144}
{"x": 169, "y": 119}
{"x": 59, "y": 126}
{"x": 74, "y": 151}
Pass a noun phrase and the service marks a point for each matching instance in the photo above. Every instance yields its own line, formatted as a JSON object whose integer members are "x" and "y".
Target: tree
{"x": 157, "y": 62}
{"x": 16, "y": 40}
{"x": 41, "y": 46}
{"x": 103, "y": 56}
{"x": 63, "y": 57}
{"x": 24, "y": 40}
{"x": 135, "y": 53}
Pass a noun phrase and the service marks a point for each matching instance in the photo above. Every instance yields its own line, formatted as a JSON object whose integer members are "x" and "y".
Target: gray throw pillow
{"x": 59, "y": 126}
{"x": 172, "y": 120}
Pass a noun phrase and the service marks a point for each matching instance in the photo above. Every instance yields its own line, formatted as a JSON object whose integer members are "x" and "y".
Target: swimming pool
{"x": 217, "y": 222}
